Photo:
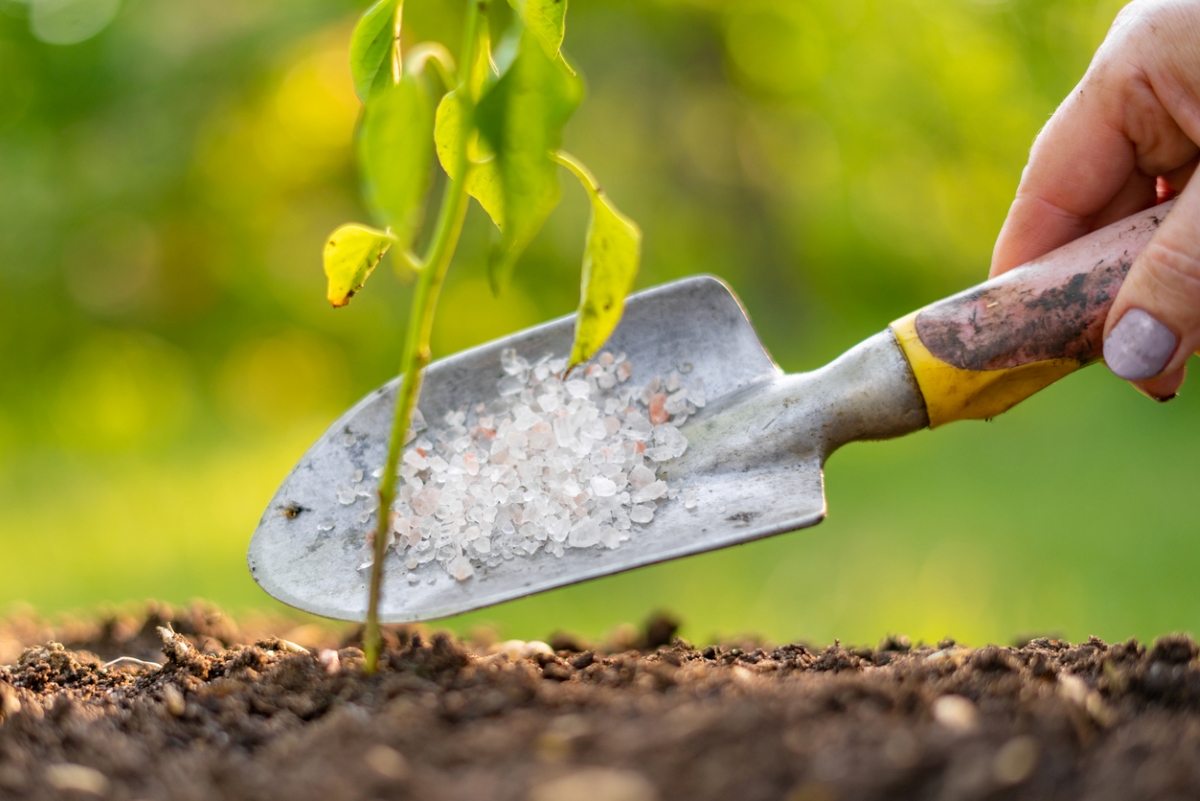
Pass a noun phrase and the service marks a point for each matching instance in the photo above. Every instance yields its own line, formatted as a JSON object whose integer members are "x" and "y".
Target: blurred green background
{"x": 170, "y": 168}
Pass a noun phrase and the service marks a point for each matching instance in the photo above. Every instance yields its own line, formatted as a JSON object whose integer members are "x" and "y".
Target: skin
{"x": 1125, "y": 138}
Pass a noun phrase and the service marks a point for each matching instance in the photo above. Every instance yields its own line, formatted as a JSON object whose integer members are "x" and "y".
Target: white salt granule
{"x": 642, "y": 513}
{"x": 650, "y": 492}
{"x": 548, "y": 464}
{"x": 603, "y": 487}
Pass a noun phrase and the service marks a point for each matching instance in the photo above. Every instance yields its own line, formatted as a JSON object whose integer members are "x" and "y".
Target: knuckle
{"x": 1141, "y": 12}
{"x": 1174, "y": 268}
{"x": 1151, "y": 23}
{"x": 1130, "y": 16}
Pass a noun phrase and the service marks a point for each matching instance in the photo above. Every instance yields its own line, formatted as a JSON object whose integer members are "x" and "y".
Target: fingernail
{"x": 1139, "y": 346}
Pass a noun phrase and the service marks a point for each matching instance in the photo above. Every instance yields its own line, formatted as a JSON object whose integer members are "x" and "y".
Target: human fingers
{"x": 1139, "y": 192}
{"x": 1173, "y": 182}
{"x": 1097, "y": 158}
{"x": 1164, "y": 387}
{"x": 1154, "y": 324}
{"x": 1078, "y": 164}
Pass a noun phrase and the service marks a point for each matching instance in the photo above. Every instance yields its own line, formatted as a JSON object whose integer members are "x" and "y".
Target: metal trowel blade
{"x": 308, "y": 550}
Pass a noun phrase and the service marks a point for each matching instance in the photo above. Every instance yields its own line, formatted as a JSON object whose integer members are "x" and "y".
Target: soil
{"x": 235, "y": 714}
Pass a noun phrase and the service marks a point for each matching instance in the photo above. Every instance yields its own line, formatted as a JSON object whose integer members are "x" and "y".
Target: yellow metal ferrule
{"x": 952, "y": 393}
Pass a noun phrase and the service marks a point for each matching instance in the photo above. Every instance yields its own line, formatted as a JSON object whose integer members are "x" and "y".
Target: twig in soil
{"x": 131, "y": 660}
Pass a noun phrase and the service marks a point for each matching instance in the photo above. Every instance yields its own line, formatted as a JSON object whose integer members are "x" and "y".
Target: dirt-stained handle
{"x": 982, "y": 351}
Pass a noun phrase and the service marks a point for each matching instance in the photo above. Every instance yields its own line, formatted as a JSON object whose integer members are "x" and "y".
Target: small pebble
{"x": 387, "y": 762}
{"x": 596, "y": 784}
{"x": 535, "y": 647}
{"x": 1015, "y": 761}
{"x": 330, "y": 660}
{"x": 956, "y": 713}
{"x": 9, "y": 703}
{"x": 66, "y": 777}
{"x": 176, "y": 705}
{"x": 511, "y": 648}
{"x": 1072, "y": 688}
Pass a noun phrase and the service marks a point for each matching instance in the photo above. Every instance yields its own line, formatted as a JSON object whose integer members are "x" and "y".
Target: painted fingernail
{"x": 1139, "y": 346}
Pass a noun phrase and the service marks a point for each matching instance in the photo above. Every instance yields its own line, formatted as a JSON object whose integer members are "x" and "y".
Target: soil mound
{"x": 199, "y": 709}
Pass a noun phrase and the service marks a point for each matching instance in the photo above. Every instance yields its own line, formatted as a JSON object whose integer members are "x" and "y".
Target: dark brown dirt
{"x": 444, "y": 720}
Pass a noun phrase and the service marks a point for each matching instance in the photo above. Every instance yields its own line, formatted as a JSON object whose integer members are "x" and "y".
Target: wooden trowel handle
{"x": 982, "y": 351}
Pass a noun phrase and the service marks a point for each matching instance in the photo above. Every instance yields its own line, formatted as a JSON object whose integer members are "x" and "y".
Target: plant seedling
{"x": 494, "y": 122}
{"x": 754, "y": 456}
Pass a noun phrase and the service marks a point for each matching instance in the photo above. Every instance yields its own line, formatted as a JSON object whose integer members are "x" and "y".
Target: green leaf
{"x": 520, "y": 118}
{"x": 449, "y": 128}
{"x": 395, "y": 149}
{"x": 371, "y": 45}
{"x": 545, "y": 19}
{"x": 610, "y": 264}
{"x": 483, "y": 172}
{"x": 351, "y": 254}
{"x": 485, "y": 184}
{"x": 452, "y": 121}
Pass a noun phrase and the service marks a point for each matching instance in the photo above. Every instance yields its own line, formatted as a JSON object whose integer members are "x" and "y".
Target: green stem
{"x": 581, "y": 171}
{"x": 416, "y": 356}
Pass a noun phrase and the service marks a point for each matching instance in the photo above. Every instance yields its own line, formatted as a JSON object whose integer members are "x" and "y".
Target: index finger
{"x": 1080, "y": 163}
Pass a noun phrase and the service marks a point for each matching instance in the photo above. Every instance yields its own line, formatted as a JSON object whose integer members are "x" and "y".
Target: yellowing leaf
{"x": 610, "y": 264}
{"x": 395, "y": 147}
{"x": 351, "y": 253}
{"x": 520, "y": 118}
{"x": 371, "y": 45}
{"x": 546, "y": 19}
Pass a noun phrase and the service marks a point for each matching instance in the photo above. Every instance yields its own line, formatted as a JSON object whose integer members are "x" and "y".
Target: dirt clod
{"x": 1176, "y": 649}
{"x": 525, "y": 721}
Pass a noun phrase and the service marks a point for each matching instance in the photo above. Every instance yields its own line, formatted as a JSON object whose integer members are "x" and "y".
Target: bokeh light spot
{"x": 316, "y": 103}
{"x": 65, "y": 22}
{"x": 122, "y": 391}
{"x": 112, "y": 264}
{"x": 469, "y": 314}
{"x": 777, "y": 52}
{"x": 283, "y": 380}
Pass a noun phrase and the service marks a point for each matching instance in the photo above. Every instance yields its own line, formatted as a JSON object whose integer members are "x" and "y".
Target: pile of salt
{"x": 551, "y": 464}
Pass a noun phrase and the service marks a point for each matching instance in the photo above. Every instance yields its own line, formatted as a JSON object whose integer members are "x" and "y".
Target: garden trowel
{"x": 755, "y": 452}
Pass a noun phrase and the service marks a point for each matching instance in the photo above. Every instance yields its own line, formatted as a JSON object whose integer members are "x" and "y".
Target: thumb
{"x": 1154, "y": 324}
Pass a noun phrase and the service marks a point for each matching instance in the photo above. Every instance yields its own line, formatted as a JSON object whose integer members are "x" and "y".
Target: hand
{"x": 1124, "y": 139}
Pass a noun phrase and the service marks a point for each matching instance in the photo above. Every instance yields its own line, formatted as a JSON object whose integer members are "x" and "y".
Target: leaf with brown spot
{"x": 351, "y": 254}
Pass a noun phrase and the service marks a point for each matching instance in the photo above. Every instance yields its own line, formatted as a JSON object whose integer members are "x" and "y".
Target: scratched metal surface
{"x": 755, "y": 457}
